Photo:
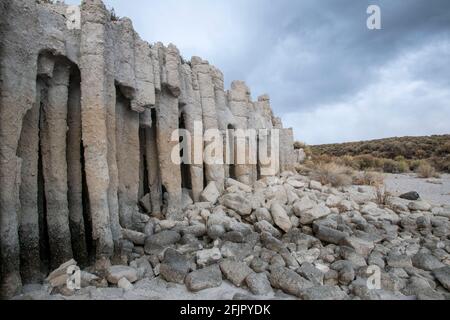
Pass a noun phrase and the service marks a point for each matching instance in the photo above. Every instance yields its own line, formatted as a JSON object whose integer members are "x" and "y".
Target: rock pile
{"x": 289, "y": 237}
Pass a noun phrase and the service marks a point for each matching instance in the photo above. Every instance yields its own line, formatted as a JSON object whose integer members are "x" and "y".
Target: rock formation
{"x": 87, "y": 114}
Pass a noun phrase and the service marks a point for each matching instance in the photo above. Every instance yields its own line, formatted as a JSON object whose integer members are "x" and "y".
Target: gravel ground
{"x": 435, "y": 191}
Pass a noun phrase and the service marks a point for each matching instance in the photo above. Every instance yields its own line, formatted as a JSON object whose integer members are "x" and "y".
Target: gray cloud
{"x": 329, "y": 77}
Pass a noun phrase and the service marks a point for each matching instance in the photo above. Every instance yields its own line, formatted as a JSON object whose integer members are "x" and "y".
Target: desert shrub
{"x": 348, "y": 161}
{"x": 389, "y": 166}
{"x": 299, "y": 145}
{"x": 392, "y": 166}
{"x": 426, "y": 170}
{"x": 414, "y": 165}
{"x": 332, "y": 174}
{"x": 402, "y": 166}
{"x": 444, "y": 150}
{"x": 368, "y": 178}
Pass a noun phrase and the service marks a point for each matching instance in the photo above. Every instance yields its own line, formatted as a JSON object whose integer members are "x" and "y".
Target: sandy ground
{"x": 435, "y": 191}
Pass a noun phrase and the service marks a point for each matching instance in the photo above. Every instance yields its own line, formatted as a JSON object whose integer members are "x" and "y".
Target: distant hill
{"x": 434, "y": 149}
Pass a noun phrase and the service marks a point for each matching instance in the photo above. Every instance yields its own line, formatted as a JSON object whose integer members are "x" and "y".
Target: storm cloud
{"x": 329, "y": 77}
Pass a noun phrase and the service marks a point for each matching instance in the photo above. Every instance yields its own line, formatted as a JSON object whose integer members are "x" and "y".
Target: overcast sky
{"x": 329, "y": 77}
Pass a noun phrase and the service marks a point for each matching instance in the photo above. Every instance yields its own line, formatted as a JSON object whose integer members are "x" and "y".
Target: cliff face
{"x": 87, "y": 114}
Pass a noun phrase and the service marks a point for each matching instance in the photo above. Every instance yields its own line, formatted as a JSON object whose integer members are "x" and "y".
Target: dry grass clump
{"x": 332, "y": 174}
{"x": 383, "y": 195}
{"x": 426, "y": 171}
{"x": 368, "y": 178}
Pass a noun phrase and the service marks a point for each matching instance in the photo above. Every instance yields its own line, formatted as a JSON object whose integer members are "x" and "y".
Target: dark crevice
{"x": 186, "y": 182}
{"x": 44, "y": 242}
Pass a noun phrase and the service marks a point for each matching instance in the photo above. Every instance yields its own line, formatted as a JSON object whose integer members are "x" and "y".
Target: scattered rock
{"x": 280, "y": 217}
{"x": 264, "y": 226}
{"x": 361, "y": 246}
{"x": 289, "y": 281}
{"x": 136, "y": 237}
{"x": 443, "y": 276}
{"x": 115, "y": 273}
{"x": 125, "y": 284}
{"x": 159, "y": 241}
{"x": 206, "y": 278}
{"x": 259, "y": 284}
{"x": 426, "y": 262}
{"x": 235, "y": 271}
{"x": 210, "y": 194}
{"x": 328, "y": 235}
{"x": 174, "y": 267}
{"x": 412, "y": 196}
{"x": 208, "y": 257}
{"x": 332, "y": 293}
{"x": 419, "y": 206}
{"x": 238, "y": 203}
{"x": 317, "y": 212}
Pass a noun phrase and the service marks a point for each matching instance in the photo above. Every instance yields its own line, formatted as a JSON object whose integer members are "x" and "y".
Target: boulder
{"x": 208, "y": 257}
{"x": 412, "y": 196}
{"x": 115, "y": 273}
{"x": 280, "y": 217}
{"x": 443, "y": 276}
{"x": 238, "y": 203}
{"x": 323, "y": 293}
{"x": 289, "y": 281}
{"x": 136, "y": 237}
{"x": 303, "y": 205}
{"x": 233, "y": 183}
{"x": 206, "y": 278}
{"x": 419, "y": 206}
{"x": 259, "y": 284}
{"x": 235, "y": 271}
{"x": 361, "y": 246}
{"x": 125, "y": 284}
{"x": 211, "y": 193}
{"x": 264, "y": 226}
{"x": 317, "y": 212}
{"x": 159, "y": 241}
{"x": 426, "y": 262}
{"x": 328, "y": 235}
{"x": 174, "y": 267}
{"x": 59, "y": 277}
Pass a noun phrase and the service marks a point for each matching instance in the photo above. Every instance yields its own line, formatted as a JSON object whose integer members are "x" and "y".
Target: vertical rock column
{"x": 268, "y": 147}
{"x": 17, "y": 95}
{"x": 192, "y": 113}
{"x": 75, "y": 174}
{"x": 128, "y": 159}
{"x": 113, "y": 198}
{"x": 239, "y": 100}
{"x": 28, "y": 151}
{"x": 53, "y": 145}
{"x": 167, "y": 124}
{"x": 151, "y": 149}
{"x": 94, "y": 117}
{"x": 202, "y": 69}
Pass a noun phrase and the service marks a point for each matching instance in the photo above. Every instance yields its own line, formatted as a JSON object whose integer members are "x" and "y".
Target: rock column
{"x": 53, "y": 145}
{"x": 75, "y": 174}
{"x": 214, "y": 172}
{"x": 94, "y": 118}
{"x": 28, "y": 151}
